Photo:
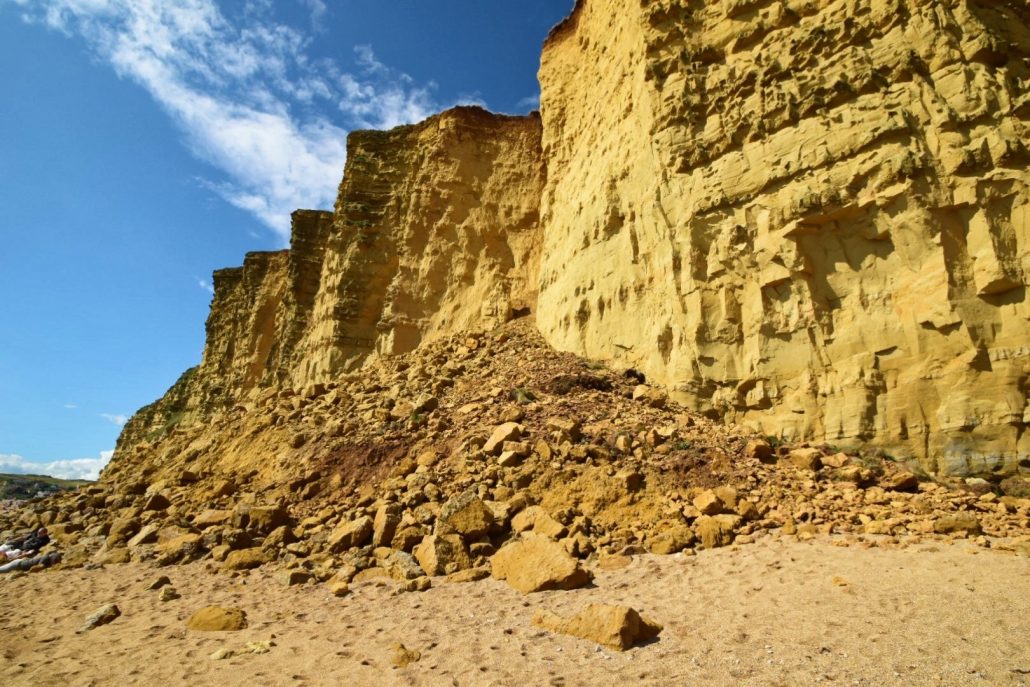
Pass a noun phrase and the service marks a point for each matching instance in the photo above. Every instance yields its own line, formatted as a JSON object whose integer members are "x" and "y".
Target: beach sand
{"x": 777, "y": 612}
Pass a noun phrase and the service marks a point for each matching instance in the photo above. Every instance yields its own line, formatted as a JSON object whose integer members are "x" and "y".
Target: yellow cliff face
{"x": 806, "y": 217}
{"x": 435, "y": 231}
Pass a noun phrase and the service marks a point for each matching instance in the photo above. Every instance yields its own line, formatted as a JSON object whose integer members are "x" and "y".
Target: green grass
{"x": 27, "y": 486}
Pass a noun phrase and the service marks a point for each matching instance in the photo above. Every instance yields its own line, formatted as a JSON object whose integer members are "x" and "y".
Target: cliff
{"x": 809, "y": 219}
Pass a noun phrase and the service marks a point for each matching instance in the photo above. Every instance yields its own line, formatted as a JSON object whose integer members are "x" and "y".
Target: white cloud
{"x": 530, "y": 102}
{"x": 317, "y": 9}
{"x": 244, "y": 91}
{"x": 206, "y": 285}
{"x": 80, "y": 468}
{"x": 70, "y": 406}
{"x": 119, "y": 420}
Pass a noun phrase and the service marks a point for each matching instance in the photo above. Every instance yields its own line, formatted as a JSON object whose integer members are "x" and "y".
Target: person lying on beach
{"x": 27, "y": 563}
{"x": 29, "y": 544}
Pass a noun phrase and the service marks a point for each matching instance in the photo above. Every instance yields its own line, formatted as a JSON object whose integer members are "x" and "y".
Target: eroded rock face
{"x": 809, "y": 218}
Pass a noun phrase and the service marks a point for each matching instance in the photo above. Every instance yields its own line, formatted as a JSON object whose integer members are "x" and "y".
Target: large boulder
{"x": 537, "y": 564}
{"x": 617, "y": 627}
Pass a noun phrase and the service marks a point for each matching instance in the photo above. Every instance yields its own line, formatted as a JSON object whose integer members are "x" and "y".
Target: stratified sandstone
{"x": 810, "y": 218}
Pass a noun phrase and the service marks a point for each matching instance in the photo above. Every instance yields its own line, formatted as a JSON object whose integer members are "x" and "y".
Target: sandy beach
{"x": 778, "y": 612}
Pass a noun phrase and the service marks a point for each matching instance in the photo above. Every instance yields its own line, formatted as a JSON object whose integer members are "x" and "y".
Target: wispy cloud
{"x": 70, "y": 406}
{"x": 79, "y": 468}
{"x": 530, "y": 102}
{"x": 115, "y": 419}
{"x": 206, "y": 285}
{"x": 245, "y": 92}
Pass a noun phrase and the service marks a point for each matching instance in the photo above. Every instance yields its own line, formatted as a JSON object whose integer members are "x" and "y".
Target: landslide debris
{"x": 462, "y": 457}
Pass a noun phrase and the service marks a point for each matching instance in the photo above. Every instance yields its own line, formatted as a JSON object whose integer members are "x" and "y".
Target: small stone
{"x": 806, "y": 458}
{"x": 222, "y": 654}
{"x": 101, "y": 616}
{"x": 245, "y": 559}
{"x": 158, "y": 582}
{"x": 671, "y": 540}
{"x": 338, "y": 586}
{"x": 656, "y": 398}
{"x": 903, "y": 481}
{"x": 157, "y": 502}
{"x": 470, "y": 575}
{"x": 539, "y": 521}
{"x": 168, "y": 594}
{"x": 509, "y": 431}
{"x": 292, "y": 578}
{"x": 387, "y": 519}
{"x": 351, "y": 534}
{"x": 761, "y": 450}
{"x": 217, "y": 619}
{"x": 403, "y": 657}
{"x": 708, "y": 503}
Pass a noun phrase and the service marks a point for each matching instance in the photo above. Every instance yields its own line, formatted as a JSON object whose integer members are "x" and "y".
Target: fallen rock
{"x": 384, "y": 527}
{"x": 708, "y": 503}
{"x": 351, "y": 534}
{"x": 806, "y": 458}
{"x": 716, "y": 530}
{"x": 441, "y": 554}
{"x": 538, "y": 564}
{"x": 245, "y": 559}
{"x": 158, "y": 582}
{"x": 761, "y": 450}
{"x": 101, "y": 616}
{"x": 617, "y": 627}
{"x": 466, "y": 515}
{"x": 168, "y": 594}
{"x": 292, "y": 578}
{"x": 671, "y": 540}
{"x": 403, "y": 656}
{"x": 539, "y": 521}
{"x": 217, "y": 619}
{"x": 509, "y": 431}
{"x": 902, "y": 481}
{"x": 470, "y": 575}
{"x": 959, "y": 522}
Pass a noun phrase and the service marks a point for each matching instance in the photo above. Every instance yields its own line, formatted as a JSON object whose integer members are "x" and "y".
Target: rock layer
{"x": 808, "y": 219}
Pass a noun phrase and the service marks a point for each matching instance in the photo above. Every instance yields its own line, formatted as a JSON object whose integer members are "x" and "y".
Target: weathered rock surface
{"x": 217, "y": 619}
{"x": 617, "y": 627}
{"x": 812, "y": 219}
{"x": 538, "y": 564}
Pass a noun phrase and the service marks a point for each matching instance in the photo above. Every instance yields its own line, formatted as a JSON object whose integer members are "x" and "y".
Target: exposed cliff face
{"x": 807, "y": 217}
{"x": 435, "y": 231}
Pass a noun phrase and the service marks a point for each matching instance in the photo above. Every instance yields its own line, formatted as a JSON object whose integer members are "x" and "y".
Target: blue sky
{"x": 145, "y": 143}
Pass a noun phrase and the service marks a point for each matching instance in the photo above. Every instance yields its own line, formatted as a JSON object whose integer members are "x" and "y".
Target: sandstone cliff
{"x": 810, "y": 219}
